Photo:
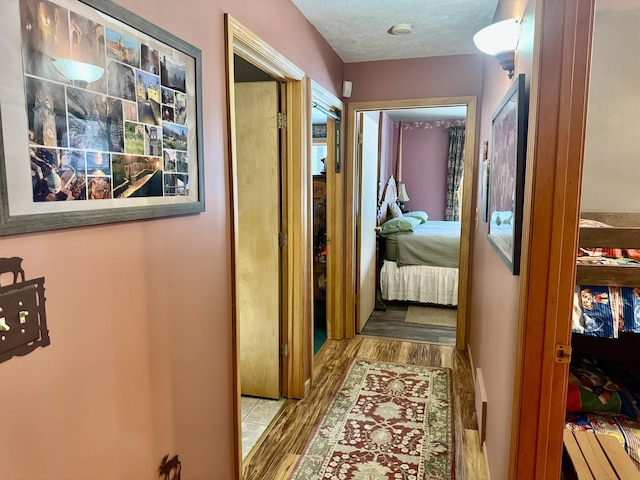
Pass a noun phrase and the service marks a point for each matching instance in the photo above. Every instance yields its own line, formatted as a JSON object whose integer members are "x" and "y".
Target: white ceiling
{"x": 357, "y": 29}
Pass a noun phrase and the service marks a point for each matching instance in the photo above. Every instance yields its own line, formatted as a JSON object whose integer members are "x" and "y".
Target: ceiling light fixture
{"x": 400, "y": 29}
{"x": 78, "y": 71}
{"x": 500, "y": 40}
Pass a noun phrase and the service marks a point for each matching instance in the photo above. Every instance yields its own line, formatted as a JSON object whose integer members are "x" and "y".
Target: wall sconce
{"x": 402, "y": 195}
{"x": 78, "y": 71}
{"x": 500, "y": 40}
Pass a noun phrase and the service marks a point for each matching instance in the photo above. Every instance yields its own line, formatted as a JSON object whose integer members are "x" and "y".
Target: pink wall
{"x": 449, "y": 76}
{"x": 433, "y": 77}
{"x": 494, "y": 293}
{"x": 140, "y": 361}
{"x": 425, "y": 153}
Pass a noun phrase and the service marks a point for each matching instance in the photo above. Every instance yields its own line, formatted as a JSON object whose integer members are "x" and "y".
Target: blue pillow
{"x": 424, "y": 216}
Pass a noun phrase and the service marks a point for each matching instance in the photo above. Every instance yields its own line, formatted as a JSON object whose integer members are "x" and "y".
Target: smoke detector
{"x": 400, "y": 29}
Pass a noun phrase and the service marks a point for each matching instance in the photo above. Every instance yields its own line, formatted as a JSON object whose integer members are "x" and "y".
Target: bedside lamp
{"x": 402, "y": 195}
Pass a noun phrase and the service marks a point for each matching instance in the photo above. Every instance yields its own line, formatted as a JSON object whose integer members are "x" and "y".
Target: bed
{"x": 603, "y": 399}
{"x": 604, "y": 395}
{"x": 419, "y": 260}
{"x": 607, "y": 296}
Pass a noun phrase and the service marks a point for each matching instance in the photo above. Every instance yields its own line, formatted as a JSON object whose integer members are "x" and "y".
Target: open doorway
{"x": 326, "y": 171}
{"x": 259, "y": 271}
{"x": 289, "y": 187}
{"x": 420, "y": 168}
{"x": 327, "y": 175}
{"x": 391, "y": 190}
{"x": 319, "y": 206}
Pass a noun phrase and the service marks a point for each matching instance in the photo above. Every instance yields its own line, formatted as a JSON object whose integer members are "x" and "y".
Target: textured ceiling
{"x": 357, "y": 29}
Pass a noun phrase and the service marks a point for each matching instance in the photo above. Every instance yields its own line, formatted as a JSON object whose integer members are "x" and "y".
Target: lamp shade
{"x": 80, "y": 71}
{"x": 402, "y": 193}
{"x": 499, "y": 37}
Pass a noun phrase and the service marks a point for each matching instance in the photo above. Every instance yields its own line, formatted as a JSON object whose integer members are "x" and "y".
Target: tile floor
{"x": 257, "y": 414}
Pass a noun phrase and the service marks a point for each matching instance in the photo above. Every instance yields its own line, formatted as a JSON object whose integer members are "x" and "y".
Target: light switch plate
{"x": 23, "y": 325}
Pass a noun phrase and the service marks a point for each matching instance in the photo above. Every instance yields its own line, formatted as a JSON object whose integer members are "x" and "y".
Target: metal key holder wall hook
{"x": 23, "y": 323}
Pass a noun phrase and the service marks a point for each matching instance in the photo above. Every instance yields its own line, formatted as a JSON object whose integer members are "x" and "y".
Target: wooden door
{"x": 257, "y": 237}
{"x": 368, "y": 166}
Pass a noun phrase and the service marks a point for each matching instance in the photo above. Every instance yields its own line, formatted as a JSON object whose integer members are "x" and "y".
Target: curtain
{"x": 455, "y": 172}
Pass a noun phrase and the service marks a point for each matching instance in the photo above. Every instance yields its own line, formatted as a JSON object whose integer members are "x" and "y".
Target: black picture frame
{"x": 319, "y": 131}
{"x": 506, "y": 174}
{"x": 483, "y": 189}
{"x": 127, "y": 146}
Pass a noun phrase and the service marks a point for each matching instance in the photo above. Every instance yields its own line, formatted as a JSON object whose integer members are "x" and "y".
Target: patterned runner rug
{"x": 386, "y": 421}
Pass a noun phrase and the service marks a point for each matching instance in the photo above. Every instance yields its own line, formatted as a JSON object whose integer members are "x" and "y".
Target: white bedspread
{"x": 423, "y": 284}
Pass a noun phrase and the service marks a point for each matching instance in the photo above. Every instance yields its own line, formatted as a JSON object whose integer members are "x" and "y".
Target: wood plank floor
{"x": 390, "y": 323}
{"x": 276, "y": 456}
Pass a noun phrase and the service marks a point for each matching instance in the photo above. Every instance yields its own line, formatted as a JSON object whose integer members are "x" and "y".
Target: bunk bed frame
{"x": 598, "y": 457}
{"x": 623, "y": 233}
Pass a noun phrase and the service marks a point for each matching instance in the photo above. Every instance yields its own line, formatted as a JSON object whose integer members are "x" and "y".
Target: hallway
{"x": 279, "y": 452}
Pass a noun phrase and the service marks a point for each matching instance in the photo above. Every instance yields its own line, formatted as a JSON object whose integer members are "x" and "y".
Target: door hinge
{"x": 563, "y": 353}
{"x": 284, "y": 350}
{"x": 283, "y": 239}
{"x": 282, "y": 120}
{"x": 359, "y": 139}
{"x": 357, "y": 299}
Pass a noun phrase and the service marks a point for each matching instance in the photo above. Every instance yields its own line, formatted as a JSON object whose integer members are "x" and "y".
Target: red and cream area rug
{"x": 386, "y": 421}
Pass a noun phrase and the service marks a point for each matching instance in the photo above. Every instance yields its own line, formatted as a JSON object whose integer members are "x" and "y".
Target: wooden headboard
{"x": 390, "y": 195}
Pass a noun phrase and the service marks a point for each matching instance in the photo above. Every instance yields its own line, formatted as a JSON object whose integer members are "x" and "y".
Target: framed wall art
{"x": 101, "y": 117}
{"x": 483, "y": 181}
{"x": 506, "y": 174}
{"x": 319, "y": 131}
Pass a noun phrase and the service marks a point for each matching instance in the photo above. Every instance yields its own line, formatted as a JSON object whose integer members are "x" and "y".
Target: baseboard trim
{"x": 473, "y": 367}
{"x": 481, "y": 405}
{"x": 486, "y": 460}
{"x": 307, "y": 386}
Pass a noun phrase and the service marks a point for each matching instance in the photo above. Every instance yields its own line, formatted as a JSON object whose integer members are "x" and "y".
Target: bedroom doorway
{"x": 284, "y": 187}
{"x": 319, "y": 162}
{"x": 466, "y": 216}
{"x": 324, "y": 157}
{"x": 327, "y": 174}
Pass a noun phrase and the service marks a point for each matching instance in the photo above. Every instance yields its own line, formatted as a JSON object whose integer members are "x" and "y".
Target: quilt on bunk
{"x": 601, "y": 311}
{"x": 433, "y": 243}
{"x": 604, "y": 399}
